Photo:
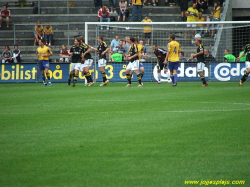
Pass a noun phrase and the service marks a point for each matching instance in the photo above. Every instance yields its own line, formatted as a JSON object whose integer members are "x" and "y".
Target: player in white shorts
{"x": 76, "y": 51}
{"x": 102, "y": 49}
{"x": 245, "y": 76}
{"x": 133, "y": 64}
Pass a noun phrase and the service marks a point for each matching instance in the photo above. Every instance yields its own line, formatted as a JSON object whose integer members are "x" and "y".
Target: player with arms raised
{"x": 43, "y": 53}
{"x": 245, "y": 76}
{"x": 200, "y": 59}
{"x": 172, "y": 57}
{"x": 160, "y": 53}
{"x": 76, "y": 51}
{"x": 102, "y": 49}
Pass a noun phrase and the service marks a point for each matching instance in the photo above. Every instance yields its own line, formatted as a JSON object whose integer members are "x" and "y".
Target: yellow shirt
{"x": 174, "y": 48}
{"x": 43, "y": 50}
{"x": 192, "y": 18}
{"x": 147, "y": 28}
{"x": 200, "y": 20}
{"x": 137, "y": 2}
{"x": 140, "y": 50}
{"x": 39, "y": 29}
{"x": 49, "y": 30}
{"x": 217, "y": 12}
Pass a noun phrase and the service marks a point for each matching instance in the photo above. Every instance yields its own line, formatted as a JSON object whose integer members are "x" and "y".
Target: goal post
{"x": 228, "y": 35}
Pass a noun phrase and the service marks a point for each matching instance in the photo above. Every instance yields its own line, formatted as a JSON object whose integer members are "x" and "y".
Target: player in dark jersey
{"x": 102, "y": 49}
{"x": 245, "y": 76}
{"x": 76, "y": 51}
{"x": 200, "y": 60}
{"x": 133, "y": 64}
{"x": 160, "y": 53}
{"x": 87, "y": 62}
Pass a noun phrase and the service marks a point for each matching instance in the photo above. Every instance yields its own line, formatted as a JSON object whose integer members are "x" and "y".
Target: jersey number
{"x": 175, "y": 50}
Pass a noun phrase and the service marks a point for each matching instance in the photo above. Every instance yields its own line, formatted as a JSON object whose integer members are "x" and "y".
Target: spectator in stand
{"x": 5, "y": 16}
{"x": 200, "y": 28}
{"x": 114, "y": 43}
{"x": 192, "y": 14}
{"x": 127, "y": 45}
{"x": 103, "y": 15}
{"x": 137, "y": 6}
{"x": 118, "y": 53}
{"x": 7, "y": 55}
{"x": 64, "y": 54}
{"x": 147, "y": 29}
{"x": 123, "y": 8}
{"x": 17, "y": 57}
{"x": 48, "y": 34}
{"x": 208, "y": 56}
{"x": 156, "y": 2}
{"x": 113, "y": 6}
{"x": 38, "y": 33}
{"x": 98, "y": 3}
{"x": 216, "y": 16}
{"x": 183, "y": 7}
{"x": 181, "y": 57}
{"x": 208, "y": 27}
{"x": 229, "y": 57}
{"x": 202, "y": 5}
{"x": 243, "y": 58}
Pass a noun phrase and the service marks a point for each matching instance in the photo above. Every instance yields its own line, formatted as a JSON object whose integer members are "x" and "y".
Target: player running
{"x": 76, "y": 51}
{"x": 173, "y": 57}
{"x": 245, "y": 76}
{"x": 102, "y": 49}
{"x": 43, "y": 53}
{"x": 200, "y": 60}
{"x": 160, "y": 53}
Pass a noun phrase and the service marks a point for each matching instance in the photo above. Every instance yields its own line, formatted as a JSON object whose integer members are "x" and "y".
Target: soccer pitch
{"x": 117, "y": 136}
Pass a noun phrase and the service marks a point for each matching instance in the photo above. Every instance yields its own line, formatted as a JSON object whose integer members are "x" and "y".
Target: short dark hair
{"x": 100, "y": 37}
{"x": 132, "y": 39}
{"x": 182, "y": 53}
{"x": 43, "y": 40}
{"x": 172, "y": 36}
{"x": 7, "y": 47}
{"x": 15, "y": 45}
{"x": 136, "y": 39}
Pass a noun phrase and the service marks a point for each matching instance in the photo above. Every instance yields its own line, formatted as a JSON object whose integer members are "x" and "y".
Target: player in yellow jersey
{"x": 43, "y": 53}
{"x": 172, "y": 57}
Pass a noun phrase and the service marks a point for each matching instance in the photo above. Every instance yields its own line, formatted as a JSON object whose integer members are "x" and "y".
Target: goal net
{"x": 216, "y": 38}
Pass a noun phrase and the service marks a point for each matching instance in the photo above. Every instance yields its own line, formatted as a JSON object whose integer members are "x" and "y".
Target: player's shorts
{"x": 87, "y": 63}
{"x": 141, "y": 65}
{"x": 133, "y": 65}
{"x": 147, "y": 35}
{"x": 75, "y": 66}
{"x": 200, "y": 66}
{"x": 102, "y": 62}
{"x": 43, "y": 64}
{"x": 191, "y": 25}
{"x": 173, "y": 65}
{"x": 161, "y": 65}
{"x": 247, "y": 64}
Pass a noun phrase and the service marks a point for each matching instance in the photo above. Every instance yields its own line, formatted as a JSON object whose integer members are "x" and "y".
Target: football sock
{"x": 172, "y": 78}
{"x": 75, "y": 78}
{"x": 168, "y": 74}
{"x": 128, "y": 78}
{"x": 87, "y": 77}
{"x": 175, "y": 78}
{"x": 141, "y": 75}
{"x": 159, "y": 76}
{"x": 245, "y": 76}
{"x": 70, "y": 77}
{"x": 203, "y": 78}
{"x": 44, "y": 79}
{"x": 139, "y": 78}
{"x": 103, "y": 76}
{"x": 48, "y": 77}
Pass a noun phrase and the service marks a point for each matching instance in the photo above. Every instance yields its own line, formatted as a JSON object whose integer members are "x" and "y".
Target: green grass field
{"x": 116, "y": 136}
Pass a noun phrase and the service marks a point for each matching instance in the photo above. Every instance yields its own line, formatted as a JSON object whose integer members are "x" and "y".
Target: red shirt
{"x": 101, "y": 11}
{"x": 6, "y": 12}
{"x": 160, "y": 54}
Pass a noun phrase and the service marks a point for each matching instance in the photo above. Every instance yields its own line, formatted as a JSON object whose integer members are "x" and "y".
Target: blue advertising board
{"x": 115, "y": 72}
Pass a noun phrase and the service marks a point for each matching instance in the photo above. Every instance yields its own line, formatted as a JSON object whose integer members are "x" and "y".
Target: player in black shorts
{"x": 160, "y": 53}
{"x": 245, "y": 76}
{"x": 200, "y": 60}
